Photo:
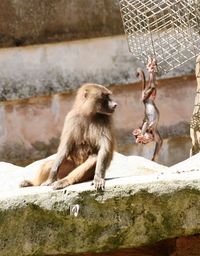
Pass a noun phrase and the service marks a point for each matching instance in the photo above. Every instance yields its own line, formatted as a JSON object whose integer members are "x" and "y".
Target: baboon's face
{"x": 96, "y": 98}
{"x": 105, "y": 105}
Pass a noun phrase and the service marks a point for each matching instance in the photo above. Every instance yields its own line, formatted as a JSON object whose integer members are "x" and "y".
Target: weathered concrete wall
{"x": 46, "y": 69}
{"x": 25, "y": 22}
{"x": 30, "y": 128}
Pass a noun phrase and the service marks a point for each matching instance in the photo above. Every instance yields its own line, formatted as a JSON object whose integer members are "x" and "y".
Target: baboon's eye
{"x": 106, "y": 99}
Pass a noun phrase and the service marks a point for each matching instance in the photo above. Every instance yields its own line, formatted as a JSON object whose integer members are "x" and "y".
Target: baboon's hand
{"x": 60, "y": 184}
{"x": 99, "y": 183}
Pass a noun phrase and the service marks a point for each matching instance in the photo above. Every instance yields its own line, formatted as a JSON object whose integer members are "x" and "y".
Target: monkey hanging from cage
{"x": 148, "y": 131}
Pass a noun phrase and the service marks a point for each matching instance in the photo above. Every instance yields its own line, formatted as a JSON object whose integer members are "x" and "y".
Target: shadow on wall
{"x": 174, "y": 150}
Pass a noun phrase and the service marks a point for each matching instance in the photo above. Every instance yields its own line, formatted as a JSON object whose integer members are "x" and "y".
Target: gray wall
{"x": 44, "y": 69}
{"x": 50, "y": 68}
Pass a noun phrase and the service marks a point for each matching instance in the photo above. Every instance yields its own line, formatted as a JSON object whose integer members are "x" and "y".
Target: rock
{"x": 143, "y": 203}
{"x": 10, "y": 176}
{"x": 190, "y": 164}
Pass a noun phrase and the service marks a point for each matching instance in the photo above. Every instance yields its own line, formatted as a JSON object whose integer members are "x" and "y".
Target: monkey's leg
{"x": 144, "y": 127}
{"x": 62, "y": 154}
{"x": 41, "y": 175}
{"x": 65, "y": 168}
{"x": 81, "y": 173}
{"x": 52, "y": 173}
{"x": 159, "y": 141}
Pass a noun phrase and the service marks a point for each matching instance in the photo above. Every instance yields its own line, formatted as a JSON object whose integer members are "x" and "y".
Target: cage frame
{"x": 168, "y": 30}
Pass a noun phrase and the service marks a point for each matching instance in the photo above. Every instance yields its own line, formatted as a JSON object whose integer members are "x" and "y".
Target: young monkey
{"x": 149, "y": 131}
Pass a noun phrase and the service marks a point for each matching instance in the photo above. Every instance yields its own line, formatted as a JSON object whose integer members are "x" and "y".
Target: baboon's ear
{"x": 85, "y": 93}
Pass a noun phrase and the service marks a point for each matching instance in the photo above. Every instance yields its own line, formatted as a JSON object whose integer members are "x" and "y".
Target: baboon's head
{"x": 95, "y": 98}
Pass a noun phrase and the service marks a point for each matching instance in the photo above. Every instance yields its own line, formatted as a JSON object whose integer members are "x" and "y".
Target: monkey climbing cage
{"x": 168, "y": 30}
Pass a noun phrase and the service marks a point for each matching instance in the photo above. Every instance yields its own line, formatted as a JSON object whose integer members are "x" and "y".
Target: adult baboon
{"x": 86, "y": 144}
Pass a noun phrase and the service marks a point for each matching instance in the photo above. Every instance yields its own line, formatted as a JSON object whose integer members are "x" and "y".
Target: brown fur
{"x": 86, "y": 144}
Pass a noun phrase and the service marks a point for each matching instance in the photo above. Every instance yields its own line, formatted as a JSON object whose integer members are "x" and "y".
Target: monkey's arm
{"x": 148, "y": 92}
{"x": 63, "y": 152}
{"x": 103, "y": 161}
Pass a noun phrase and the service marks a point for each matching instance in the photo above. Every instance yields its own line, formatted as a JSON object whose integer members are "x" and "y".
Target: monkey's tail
{"x": 140, "y": 73}
{"x": 26, "y": 183}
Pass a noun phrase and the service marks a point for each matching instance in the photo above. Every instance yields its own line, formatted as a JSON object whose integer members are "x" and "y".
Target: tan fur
{"x": 151, "y": 113}
{"x": 87, "y": 141}
{"x": 42, "y": 175}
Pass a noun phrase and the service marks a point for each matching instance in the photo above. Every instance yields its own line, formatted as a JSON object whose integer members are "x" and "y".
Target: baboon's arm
{"x": 103, "y": 161}
{"x": 63, "y": 152}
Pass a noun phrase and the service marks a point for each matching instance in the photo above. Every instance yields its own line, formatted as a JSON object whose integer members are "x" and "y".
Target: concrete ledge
{"x": 145, "y": 204}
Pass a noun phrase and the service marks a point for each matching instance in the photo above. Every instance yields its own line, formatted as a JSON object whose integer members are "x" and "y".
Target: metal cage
{"x": 168, "y": 30}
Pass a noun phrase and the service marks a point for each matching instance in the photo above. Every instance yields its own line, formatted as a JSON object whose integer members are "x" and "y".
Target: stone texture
{"x": 183, "y": 246}
{"x": 143, "y": 203}
{"x": 25, "y": 22}
{"x": 47, "y": 69}
{"x": 51, "y": 68}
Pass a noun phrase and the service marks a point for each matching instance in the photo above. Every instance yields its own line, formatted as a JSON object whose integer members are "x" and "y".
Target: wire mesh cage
{"x": 168, "y": 30}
